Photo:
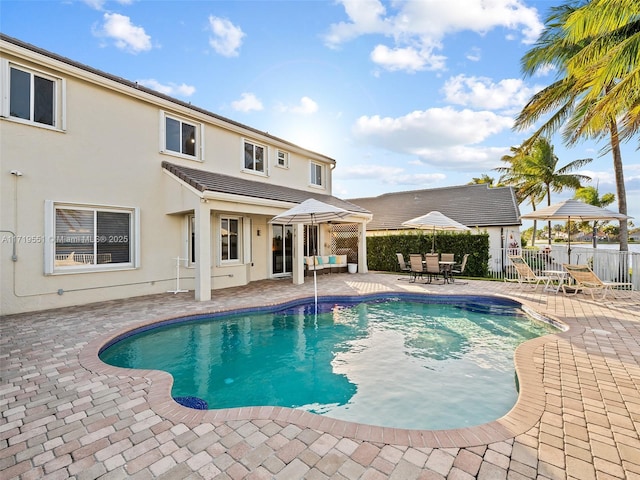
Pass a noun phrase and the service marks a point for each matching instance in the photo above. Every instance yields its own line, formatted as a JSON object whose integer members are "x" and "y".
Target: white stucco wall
{"x": 109, "y": 155}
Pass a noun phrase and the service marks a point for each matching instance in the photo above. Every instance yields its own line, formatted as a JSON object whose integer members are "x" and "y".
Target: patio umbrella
{"x": 435, "y": 221}
{"x": 312, "y": 212}
{"x": 573, "y": 210}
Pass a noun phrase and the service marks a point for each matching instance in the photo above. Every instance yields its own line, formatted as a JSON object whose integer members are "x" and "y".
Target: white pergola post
{"x": 298, "y": 254}
{"x": 362, "y": 248}
{"x": 203, "y": 252}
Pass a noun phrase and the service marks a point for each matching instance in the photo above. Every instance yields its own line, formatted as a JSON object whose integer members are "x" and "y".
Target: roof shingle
{"x": 205, "y": 181}
{"x": 471, "y": 205}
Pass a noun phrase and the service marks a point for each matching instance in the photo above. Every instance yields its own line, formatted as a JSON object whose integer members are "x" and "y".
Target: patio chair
{"x": 404, "y": 268}
{"x": 447, "y": 257}
{"x": 586, "y": 280}
{"x": 526, "y": 276}
{"x": 417, "y": 269}
{"x": 432, "y": 265}
{"x": 458, "y": 269}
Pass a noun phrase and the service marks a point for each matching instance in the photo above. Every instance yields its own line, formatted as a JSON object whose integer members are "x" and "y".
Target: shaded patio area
{"x": 66, "y": 414}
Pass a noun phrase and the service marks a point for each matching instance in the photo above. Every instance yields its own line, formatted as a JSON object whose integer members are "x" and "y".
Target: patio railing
{"x": 609, "y": 265}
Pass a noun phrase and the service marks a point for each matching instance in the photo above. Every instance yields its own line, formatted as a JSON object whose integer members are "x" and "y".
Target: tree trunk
{"x": 535, "y": 226}
{"x": 548, "y": 205}
{"x": 620, "y": 189}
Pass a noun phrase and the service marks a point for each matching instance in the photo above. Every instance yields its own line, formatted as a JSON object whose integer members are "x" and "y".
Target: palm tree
{"x": 609, "y": 66}
{"x": 573, "y": 100}
{"x": 537, "y": 171}
{"x": 591, "y": 196}
{"x": 512, "y": 175}
{"x": 609, "y": 72}
{"x": 484, "y": 178}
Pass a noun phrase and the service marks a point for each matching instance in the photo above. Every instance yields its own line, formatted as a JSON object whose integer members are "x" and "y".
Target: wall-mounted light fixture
{"x": 258, "y": 232}
{"x": 17, "y": 173}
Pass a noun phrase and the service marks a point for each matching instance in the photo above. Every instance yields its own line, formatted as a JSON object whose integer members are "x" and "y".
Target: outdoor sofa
{"x": 325, "y": 264}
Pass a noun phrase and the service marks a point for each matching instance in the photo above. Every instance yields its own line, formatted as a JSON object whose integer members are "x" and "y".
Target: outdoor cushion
{"x": 332, "y": 259}
{"x": 319, "y": 261}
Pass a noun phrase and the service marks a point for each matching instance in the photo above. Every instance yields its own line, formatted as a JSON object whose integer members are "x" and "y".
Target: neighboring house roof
{"x": 205, "y": 181}
{"x": 138, "y": 87}
{"x": 472, "y": 205}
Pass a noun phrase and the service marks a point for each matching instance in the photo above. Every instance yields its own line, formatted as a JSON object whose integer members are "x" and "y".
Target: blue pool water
{"x": 420, "y": 362}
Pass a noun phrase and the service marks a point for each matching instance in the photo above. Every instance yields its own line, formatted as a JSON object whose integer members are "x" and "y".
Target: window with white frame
{"x": 282, "y": 158}
{"x": 91, "y": 238}
{"x": 180, "y": 137}
{"x": 255, "y": 157}
{"x": 34, "y": 97}
{"x": 317, "y": 174}
{"x": 229, "y": 239}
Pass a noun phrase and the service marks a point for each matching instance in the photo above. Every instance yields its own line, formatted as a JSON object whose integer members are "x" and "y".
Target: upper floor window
{"x": 255, "y": 157}
{"x": 91, "y": 238}
{"x": 181, "y": 137}
{"x": 317, "y": 174}
{"x": 33, "y": 96}
{"x": 283, "y": 158}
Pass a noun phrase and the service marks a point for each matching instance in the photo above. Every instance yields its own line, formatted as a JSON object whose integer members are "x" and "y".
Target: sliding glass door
{"x": 282, "y": 250}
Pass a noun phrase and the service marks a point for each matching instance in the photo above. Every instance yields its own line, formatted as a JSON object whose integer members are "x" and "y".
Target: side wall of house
{"x": 107, "y": 155}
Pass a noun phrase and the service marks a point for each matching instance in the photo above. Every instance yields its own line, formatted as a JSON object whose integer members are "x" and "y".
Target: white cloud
{"x": 421, "y": 26}
{"x": 435, "y": 126}
{"x": 388, "y": 175}
{"x": 545, "y": 70}
{"x": 127, "y": 36}
{"x": 99, "y": 4}
{"x": 248, "y": 102}
{"x": 227, "y": 38}
{"x": 307, "y": 106}
{"x": 408, "y": 59}
{"x": 474, "y": 158}
{"x": 442, "y": 136}
{"x": 366, "y": 17}
{"x": 482, "y": 92}
{"x": 474, "y": 54}
{"x": 170, "y": 89}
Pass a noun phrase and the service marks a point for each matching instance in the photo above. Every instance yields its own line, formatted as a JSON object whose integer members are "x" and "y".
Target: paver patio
{"x": 65, "y": 414}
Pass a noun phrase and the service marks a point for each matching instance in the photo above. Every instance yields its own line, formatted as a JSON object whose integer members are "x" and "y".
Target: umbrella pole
{"x": 315, "y": 281}
{"x": 433, "y": 240}
{"x": 315, "y": 290}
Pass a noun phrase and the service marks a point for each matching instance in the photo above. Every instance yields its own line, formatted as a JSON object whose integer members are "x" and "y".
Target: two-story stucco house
{"x": 111, "y": 190}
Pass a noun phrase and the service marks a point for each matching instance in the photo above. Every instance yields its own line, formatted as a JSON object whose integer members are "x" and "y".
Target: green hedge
{"x": 381, "y": 250}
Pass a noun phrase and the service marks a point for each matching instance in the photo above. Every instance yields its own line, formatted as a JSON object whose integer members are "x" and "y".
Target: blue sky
{"x": 403, "y": 95}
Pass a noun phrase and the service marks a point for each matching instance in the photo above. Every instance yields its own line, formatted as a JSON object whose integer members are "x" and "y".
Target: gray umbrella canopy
{"x": 435, "y": 221}
{"x": 312, "y": 212}
{"x": 573, "y": 210}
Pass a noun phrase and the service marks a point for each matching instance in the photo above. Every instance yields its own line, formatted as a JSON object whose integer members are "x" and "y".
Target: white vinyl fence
{"x": 609, "y": 265}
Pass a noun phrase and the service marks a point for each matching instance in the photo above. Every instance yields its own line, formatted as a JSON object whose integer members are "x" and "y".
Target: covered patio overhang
{"x": 204, "y": 193}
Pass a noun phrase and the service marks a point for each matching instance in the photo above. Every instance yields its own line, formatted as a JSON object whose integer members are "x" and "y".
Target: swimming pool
{"x": 406, "y": 361}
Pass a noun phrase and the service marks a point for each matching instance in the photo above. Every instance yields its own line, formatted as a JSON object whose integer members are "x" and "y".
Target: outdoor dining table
{"x": 445, "y": 267}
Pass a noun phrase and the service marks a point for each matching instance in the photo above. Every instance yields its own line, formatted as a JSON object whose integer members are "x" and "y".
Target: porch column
{"x": 362, "y": 248}
{"x": 203, "y": 252}
{"x": 298, "y": 254}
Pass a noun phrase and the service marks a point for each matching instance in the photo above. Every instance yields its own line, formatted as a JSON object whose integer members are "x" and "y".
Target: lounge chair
{"x": 404, "y": 268}
{"x": 526, "y": 276}
{"x": 586, "y": 280}
{"x": 417, "y": 269}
